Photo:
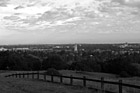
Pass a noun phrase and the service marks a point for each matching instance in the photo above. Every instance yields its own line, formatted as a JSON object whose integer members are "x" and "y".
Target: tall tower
{"x": 75, "y": 48}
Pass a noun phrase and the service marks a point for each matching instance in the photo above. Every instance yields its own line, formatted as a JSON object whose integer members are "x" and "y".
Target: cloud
{"x": 132, "y": 3}
{"x": 12, "y": 18}
{"x": 92, "y": 13}
{"x": 3, "y": 3}
{"x": 18, "y": 7}
{"x": 63, "y": 19}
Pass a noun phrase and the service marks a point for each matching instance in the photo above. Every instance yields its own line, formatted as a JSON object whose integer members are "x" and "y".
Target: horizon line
{"x": 67, "y": 43}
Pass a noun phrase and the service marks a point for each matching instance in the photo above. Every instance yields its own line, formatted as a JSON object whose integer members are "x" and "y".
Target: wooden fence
{"x": 37, "y": 75}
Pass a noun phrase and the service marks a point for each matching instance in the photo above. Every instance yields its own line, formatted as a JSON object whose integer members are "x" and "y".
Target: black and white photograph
{"x": 69, "y": 46}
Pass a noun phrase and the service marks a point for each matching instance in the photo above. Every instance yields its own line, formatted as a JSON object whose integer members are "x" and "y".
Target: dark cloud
{"x": 18, "y": 7}
{"x": 11, "y": 17}
{"x": 54, "y": 15}
{"x": 119, "y": 1}
{"x": 30, "y": 5}
{"x": 131, "y": 3}
{"x": 4, "y": 0}
{"x": 135, "y": 13}
{"x": 135, "y": 4}
{"x": 17, "y": 13}
{"x": 3, "y": 3}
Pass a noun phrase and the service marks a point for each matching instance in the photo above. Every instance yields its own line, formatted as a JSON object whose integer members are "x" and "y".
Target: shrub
{"x": 124, "y": 74}
{"x": 53, "y": 61}
{"x": 120, "y": 66}
{"x": 52, "y": 71}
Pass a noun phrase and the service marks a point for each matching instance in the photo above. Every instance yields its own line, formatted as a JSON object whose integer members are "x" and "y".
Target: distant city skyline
{"x": 69, "y": 21}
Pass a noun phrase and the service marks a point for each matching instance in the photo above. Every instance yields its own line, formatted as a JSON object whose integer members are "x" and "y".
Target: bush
{"x": 120, "y": 66}
{"x": 124, "y": 74}
{"x": 52, "y": 71}
{"x": 53, "y": 61}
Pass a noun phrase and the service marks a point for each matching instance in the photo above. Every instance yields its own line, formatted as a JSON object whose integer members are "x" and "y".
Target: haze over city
{"x": 69, "y": 21}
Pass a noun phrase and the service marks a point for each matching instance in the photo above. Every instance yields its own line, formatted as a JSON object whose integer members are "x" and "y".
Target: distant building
{"x": 21, "y": 49}
{"x": 3, "y": 49}
{"x": 75, "y": 48}
{"x": 124, "y": 45}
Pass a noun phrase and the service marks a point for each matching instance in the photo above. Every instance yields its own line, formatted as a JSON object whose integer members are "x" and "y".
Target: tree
{"x": 53, "y": 61}
{"x": 119, "y": 66}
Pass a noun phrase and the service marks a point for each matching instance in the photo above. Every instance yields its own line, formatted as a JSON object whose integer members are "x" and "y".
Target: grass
{"x": 109, "y": 77}
{"x": 30, "y": 86}
{"x": 16, "y": 85}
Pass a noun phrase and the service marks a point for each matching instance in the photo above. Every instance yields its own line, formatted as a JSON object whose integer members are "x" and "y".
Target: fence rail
{"x": 84, "y": 79}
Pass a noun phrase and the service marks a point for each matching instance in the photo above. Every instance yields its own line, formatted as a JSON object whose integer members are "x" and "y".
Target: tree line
{"x": 123, "y": 65}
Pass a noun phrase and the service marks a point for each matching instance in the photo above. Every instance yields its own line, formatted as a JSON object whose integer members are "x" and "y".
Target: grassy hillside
{"x": 15, "y": 85}
{"x": 108, "y": 77}
{"x": 34, "y": 86}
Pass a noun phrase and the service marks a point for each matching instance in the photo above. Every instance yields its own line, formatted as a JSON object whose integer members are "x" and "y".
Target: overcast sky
{"x": 69, "y": 21}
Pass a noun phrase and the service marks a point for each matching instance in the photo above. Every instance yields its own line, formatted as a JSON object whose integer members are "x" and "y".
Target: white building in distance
{"x": 3, "y": 49}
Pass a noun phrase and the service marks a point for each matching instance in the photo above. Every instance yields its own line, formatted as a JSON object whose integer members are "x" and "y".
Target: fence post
{"x": 13, "y": 75}
{"x": 9, "y": 75}
{"x": 44, "y": 76}
{"x": 102, "y": 84}
{"x": 120, "y": 86}
{"x": 6, "y": 76}
{"x": 38, "y": 75}
{"x": 27, "y": 75}
{"x": 51, "y": 78}
{"x": 61, "y": 79}
{"x": 33, "y": 75}
{"x": 19, "y": 75}
{"x": 16, "y": 75}
{"x": 23, "y": 75}
{"x": 71, "y": 80}
{"x": 84, "y": 81}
